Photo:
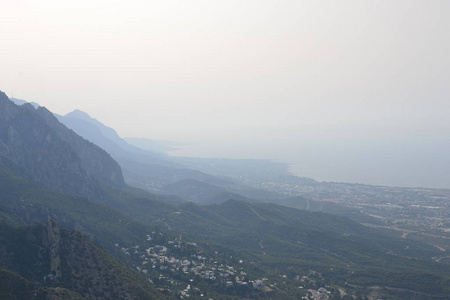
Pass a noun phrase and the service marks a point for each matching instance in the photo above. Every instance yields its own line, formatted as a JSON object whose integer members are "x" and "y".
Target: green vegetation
{"x": 53, "y": 257}
{"x": 272, "y": 241}
{"x": 293, "y": 242}
{"x": 27, "y": 203}
{"x": 15, "y": 287}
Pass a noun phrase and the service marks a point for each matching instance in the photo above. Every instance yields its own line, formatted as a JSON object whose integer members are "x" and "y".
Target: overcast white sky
{"x": 262, "y": 75}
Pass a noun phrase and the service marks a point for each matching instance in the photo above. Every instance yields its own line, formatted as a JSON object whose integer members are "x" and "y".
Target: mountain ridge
{"x": 34, "y": 143}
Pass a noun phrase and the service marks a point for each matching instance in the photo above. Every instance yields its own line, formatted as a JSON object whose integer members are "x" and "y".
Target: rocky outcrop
{"x": 51, "y": 239}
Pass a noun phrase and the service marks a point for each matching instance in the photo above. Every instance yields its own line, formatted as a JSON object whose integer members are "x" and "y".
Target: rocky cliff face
{"x": 36, "y": 146}
{"x": 97, "y": 162}
{"x": 51, "y": 239}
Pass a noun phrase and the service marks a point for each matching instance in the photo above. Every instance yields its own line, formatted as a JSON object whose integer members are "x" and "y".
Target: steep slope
{"x": 96, "y": 161}
{"x": 22, "y": 202}
{"x": 55, "y": 257}
{"x": 34, "y": 145}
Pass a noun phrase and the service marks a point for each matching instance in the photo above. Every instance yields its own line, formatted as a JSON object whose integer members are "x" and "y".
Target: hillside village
{"x": 186, "y": 262}
{"x": 181, "y": 268}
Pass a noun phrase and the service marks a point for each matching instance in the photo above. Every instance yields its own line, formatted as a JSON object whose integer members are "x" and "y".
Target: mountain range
{"x": 73, "y": 226}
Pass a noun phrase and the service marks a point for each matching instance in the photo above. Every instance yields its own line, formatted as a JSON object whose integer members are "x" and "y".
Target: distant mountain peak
{"x": 80, "y": 115}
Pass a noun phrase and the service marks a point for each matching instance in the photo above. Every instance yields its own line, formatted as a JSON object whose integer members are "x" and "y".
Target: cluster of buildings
{"x": 319, "y": 294}
{"x": 184, "y": 261}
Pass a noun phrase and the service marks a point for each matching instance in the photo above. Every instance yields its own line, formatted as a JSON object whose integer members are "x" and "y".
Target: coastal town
{"x": 420, "y": 210}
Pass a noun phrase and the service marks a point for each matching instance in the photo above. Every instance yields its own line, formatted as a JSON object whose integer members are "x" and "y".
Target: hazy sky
{"x": 265, "y": 79}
